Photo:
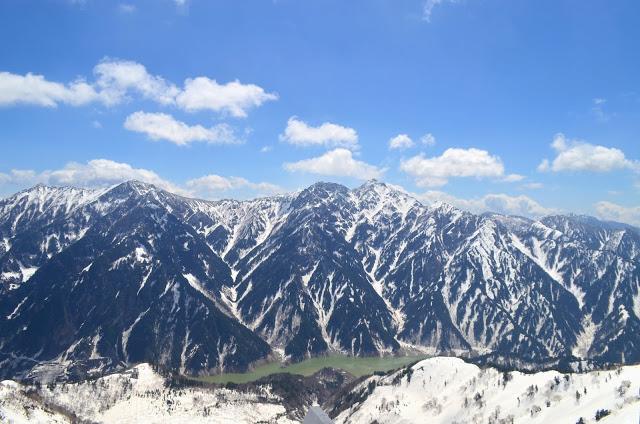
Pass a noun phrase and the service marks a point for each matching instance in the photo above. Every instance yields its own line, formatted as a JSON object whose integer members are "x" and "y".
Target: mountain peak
{"x": 382, "y": 188}
{"x": 325, "y": 188}
{"x": 135, "y": 187}
{"x": 443, "y": 207}
{"x": 373, "y": 182}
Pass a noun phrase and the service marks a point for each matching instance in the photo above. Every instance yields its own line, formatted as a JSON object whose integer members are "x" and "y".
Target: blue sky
{"x": 452, "y": 100}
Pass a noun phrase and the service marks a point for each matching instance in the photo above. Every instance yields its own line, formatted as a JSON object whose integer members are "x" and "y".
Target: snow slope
{"x": 449, "y": 390}
{"x": 436, "y": 390}
{"x": 135, "y": 396}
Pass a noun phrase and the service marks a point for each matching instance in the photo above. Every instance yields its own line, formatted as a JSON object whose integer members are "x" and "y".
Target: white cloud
{"x": 499, "y": 202}
{"x": 327, "y": 134}
{"x": 598, "y": 110}
{"x": 339, "y": 163}
{"x": 266, "y": 149}
{"x": 544, "y": 165}
{"x": 577, "y": 155}
{"x": 454, "y": 162}
{"x": 35, "y": 90}
{"x": 115, "y": 82}
{"x": 429, "y": 5}
{"x": 127, "y": 8}
{"x": 161, "y": 126}
{"x": 401, "y": 141}
{"x": 613, "y": 212}
{"x": 23, "y": 175}
{"x": 115, "y": 78}
{"x": 428, "y": 139}
{"x": 213, "y": 185}
{"x": 512, "y": 178}
{"x": 234, "y": 98}
{"x": 94, "y": 173}
{"x": 533, "y": 186}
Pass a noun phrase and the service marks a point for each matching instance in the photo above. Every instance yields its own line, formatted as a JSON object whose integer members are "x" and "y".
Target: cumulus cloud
{"x": 161, "y": 126}
{"x": 94, "y": 173}
{"x": 233, "y": 98}
{"x": 401, "y": 142}
{"x": 428, "y": 139}
{"x": 338, "y": 163}
{"x": 577, "y": 155}
{"x": 498, "y": 202}
{"x": 300, "y": 133}
{"x": 114, "y": 80}
{"x": 117, "y": 80}
{"x": 213, "y": 185}
{"x": 35, "y": 90}
{"x": 454, "y": 162}
{"x": 613, "y": 212}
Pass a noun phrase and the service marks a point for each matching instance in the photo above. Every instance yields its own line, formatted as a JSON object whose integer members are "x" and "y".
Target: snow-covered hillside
{"x": 137, "y": 396}
{"x": 437, "y": 390}
{"x": 449, "y": 390}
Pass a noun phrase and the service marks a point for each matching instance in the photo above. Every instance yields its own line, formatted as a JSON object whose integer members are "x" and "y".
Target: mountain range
{"x": 92, "y": 281}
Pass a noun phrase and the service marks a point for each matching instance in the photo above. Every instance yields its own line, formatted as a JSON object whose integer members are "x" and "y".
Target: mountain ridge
{"x": 363, "y": 271}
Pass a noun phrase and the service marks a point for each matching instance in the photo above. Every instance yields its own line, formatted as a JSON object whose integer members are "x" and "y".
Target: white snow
{"x": 27, "y": 272}
{"x": 7, "y": 244}
{"x": 15, "y": 311}
{"x": 16, "y": 407}
{"x": 141, "y": 254}
{"x": 585, "y": 338}
{"x": 9, "y": 275}
{"x": 440, "y": 390}
{"x": 127, "y": 332}
{"x": 139, "y": 396}
{"x": 195, "y": 283}
{"x": 449, "y": 390}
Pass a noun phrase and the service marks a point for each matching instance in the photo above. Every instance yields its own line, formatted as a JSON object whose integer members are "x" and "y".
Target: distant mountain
{"x": 93, "y": 280}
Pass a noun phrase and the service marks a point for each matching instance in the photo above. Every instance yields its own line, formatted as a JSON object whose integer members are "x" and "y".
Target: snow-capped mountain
{"x": 93, "y": 280}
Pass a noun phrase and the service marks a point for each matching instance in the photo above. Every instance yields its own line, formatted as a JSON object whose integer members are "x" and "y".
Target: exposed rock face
{"x": 91, "y": 281}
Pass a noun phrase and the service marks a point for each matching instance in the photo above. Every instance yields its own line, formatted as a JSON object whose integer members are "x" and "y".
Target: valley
{"x": 355, "y": 366}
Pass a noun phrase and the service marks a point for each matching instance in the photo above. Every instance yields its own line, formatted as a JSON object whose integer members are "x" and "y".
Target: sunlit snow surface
{"x": 449, "y": 390}
{"x": 137, "y": 396}
{"x": 440, "y": 390}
